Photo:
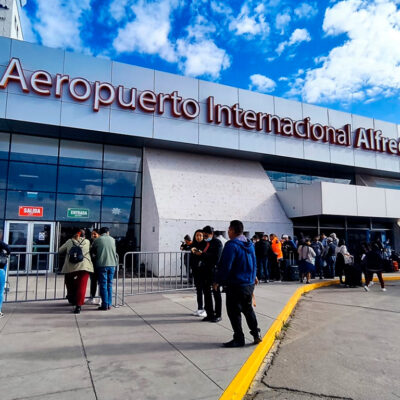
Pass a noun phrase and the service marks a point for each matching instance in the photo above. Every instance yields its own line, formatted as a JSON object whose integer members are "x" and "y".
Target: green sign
{"x": 78, "y": 213}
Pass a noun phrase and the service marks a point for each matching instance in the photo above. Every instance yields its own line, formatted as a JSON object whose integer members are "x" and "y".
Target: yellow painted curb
{"x": 243, "y": 379}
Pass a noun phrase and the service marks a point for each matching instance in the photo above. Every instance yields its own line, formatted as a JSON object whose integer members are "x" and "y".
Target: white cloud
{"x": 298, "y": 36}
{"x": 202, "y": 58}
{"x": 117, "y": 9}
{"x": 27, "y": 29}
{"x": 149, "y": 31}
{"x": 368, "y": 63}
{"x": 261, "y": 83}
{"x": 250, "y": 22}
{"x": 306, "y": 10}
{"x": 282, "y": 21}
{"x": 60, "y": 24}
{"x": 198, "y": 54}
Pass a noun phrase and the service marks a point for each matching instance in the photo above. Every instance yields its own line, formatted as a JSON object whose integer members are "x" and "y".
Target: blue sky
{"x": 339, "y": 54}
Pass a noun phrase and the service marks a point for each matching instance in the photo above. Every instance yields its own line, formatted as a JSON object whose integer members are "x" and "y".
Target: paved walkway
{"x": 153, "y": 348}
{"x": 340, "y": 344}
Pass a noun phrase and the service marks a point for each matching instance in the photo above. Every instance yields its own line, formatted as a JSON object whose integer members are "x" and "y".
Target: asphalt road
{"x": 341, "y": 343}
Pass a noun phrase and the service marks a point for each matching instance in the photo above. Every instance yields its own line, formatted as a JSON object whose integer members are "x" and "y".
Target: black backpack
{"x": 75, "y": 254}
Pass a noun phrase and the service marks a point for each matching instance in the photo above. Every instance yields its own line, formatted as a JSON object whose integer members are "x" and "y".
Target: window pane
{"x": 295, "y": 178}
{"x": 2, "y": 203}
{"x": 30, "y": 199}
{"x": 27, "y": 176}
{"x": 127, "y": 237}
{"x": 33, "y": 148}
{"x": 126, "y": 158}
{"x": 81, "y": 154}
{"x": 121, "y": 183}
{"x": 276, "y": 176}
{"x": 120, "y": 209}
{"x": 71, "y": 207}
{"x": 279, "y": 185}
{"x": 79, "y": 180}
{"x": 4, "y": 145}
{"x": 3, "y": 174}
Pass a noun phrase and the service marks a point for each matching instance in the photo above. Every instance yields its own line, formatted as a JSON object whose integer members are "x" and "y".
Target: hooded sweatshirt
{"x": 237, "y": 266}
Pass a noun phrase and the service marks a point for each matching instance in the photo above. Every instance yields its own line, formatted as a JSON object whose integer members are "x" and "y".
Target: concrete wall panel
{"x": 257, "y": 102}
{"x": 371, "y": 202}
{"x": 211, "y": 135}
{"x": 288, "y": 108}
{"x": 5, "y": 50}
{"x": 338, "y": 199}
{"x": 257, "y": 142}
{"x": 171, "y": 129}
{"x": 131, "y": 123}
{"x": 132, "y": 76}
{"x": 225, "y": 95}
{"x": 188, "y": 88}
{"x": 317, "y": 114}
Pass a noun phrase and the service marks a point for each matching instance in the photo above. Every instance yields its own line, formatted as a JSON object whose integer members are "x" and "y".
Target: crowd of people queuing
{"x": 240, "y": 263}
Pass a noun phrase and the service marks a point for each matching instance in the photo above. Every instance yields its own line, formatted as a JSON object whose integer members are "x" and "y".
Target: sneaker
{"x": 202, "y": 313}
{"x": 372, "y": 283}
{"x": 1, "y": 315}
{"x": 267, "y": 281}
{"x": 257, "y": 339}
{"x": 216, "y": 319}
{"x": 384, "y": 289}
{"x": 90, "y": 301}
{"x": 366, "y": 288}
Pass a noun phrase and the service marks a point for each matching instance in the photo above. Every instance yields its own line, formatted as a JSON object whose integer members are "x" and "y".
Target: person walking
{"x": 77, "y": 267}
{"x": 4, "y": 253}
{"x": 93, "y": 276}
{"x": 198, "y": 245}
{"x": 262, "y": 248}
{"x": 106, "y": 261}
{"x": 209, "y": 258}
{"x": 237, "y": 271}
{"x": 374, "y": 264}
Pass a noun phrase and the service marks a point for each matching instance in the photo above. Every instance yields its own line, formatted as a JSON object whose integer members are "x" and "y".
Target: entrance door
{"x": 27, "y": 241}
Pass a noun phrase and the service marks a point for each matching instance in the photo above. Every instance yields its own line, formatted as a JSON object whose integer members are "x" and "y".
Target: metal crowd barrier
{"x": 36, "y": 276}
{"x": 153, "y": 272}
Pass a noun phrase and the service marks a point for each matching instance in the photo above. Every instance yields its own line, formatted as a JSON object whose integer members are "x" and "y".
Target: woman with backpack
{"x": 77, "y": 267}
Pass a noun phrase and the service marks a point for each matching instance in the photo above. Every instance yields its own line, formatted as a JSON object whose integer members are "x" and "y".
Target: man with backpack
{"x": 237, "y": 271}
{"x": 77, "y": 267}
{"x": 106, "y": 260}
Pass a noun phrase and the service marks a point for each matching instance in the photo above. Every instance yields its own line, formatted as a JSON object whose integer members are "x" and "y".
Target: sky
{"x": 341, "y": 54}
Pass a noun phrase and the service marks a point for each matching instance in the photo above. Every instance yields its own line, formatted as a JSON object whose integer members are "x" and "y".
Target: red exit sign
{"x": 29, "y": 211}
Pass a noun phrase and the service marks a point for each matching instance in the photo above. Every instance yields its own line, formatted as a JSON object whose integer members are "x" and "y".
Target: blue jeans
{"x": 105, "y": 277}
{"x": 2, "y": 284}
{"x": 262, "y": 268}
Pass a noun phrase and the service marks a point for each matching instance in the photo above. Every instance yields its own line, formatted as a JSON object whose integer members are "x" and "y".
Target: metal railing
{"x": 153, "y": 272}
{"x": 36, "y": 276}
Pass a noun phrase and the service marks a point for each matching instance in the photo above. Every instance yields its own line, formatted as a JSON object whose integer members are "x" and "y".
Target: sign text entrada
{"x": 103, "y": 94}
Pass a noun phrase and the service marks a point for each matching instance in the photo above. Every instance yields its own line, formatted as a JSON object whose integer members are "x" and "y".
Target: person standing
{"x": 319, "y": 250}
{"x": 262, "y": 248}
{"x": 237, "y": 271}
{"x": 330, "y": 257}
{"x": 4, "y": 253}
{"x": 307, "y": 260}
{"x": 93, "y": 276}
{"x": 106, "y": 261}
{"x": 77, "y": 267}
{"x": 196, "y": 264}
{"x": 276, "y": 247}
{"x": 209, "y": 259}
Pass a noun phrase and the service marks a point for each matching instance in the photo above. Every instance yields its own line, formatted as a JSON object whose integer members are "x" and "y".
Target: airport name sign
{"x": 103, "y": 94}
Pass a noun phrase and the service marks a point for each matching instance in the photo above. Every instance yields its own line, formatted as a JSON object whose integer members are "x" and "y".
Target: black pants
{"x": 199, "y": 288}
{"x": 216, "y": 309}
{"x": 238, "y": 301}
{"x": 93, "y": 284}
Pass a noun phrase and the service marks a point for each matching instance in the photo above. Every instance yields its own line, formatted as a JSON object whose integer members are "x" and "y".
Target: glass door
{"x": 31, "y": 238}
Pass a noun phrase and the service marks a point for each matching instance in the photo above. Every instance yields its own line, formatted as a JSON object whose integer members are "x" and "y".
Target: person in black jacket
{"x": 210, "y": 257}
{"x": 262, "y": 248}
{"x": 374, "y": 264}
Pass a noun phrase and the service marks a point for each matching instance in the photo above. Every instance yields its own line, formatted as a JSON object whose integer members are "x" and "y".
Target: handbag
{"x": 348, "y": 259}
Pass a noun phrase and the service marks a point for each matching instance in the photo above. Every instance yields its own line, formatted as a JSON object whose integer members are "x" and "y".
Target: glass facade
{"x": 74, "y": 182}
{"x": 287, "y": 180}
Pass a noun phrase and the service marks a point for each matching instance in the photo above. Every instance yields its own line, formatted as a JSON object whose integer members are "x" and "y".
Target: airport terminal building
{"x": 91, "y": 142}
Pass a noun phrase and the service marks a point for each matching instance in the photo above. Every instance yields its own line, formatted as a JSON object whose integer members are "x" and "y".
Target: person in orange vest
{"x": 276, "y": 247}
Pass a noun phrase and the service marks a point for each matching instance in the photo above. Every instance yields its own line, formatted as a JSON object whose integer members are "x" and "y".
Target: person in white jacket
{"x": 306, "y": 260}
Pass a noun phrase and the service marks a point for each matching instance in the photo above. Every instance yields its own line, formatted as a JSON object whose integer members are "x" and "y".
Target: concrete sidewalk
{"x": 153, "y": 348}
